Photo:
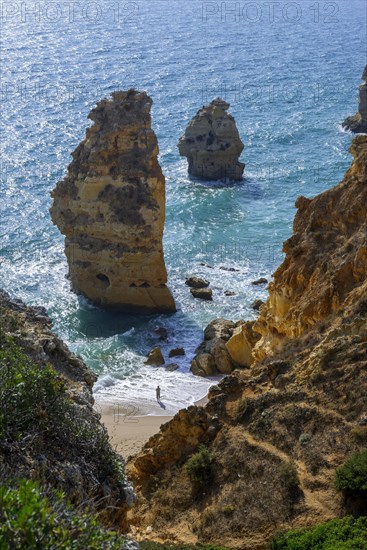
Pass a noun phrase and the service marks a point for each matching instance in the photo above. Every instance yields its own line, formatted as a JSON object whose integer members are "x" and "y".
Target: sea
{"x": 290, "y": 71}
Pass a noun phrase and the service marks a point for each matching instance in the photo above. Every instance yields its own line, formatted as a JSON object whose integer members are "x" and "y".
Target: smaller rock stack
{"x": 212, "y": 144}
{"x": 358, "y": 122}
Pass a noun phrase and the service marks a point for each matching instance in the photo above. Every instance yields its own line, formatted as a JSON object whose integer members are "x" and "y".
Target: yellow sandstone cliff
{"x": 326, "y": 259}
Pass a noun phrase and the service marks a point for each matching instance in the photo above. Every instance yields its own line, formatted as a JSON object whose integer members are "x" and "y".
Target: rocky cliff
{"x": 212, "y": 145}
{"x": 358, "y": 122}
{"x": 49, "y": 431}
{"x": 326, "y": 259}
{"x": 111, "y": 209}
{"x": 276, "y": 433}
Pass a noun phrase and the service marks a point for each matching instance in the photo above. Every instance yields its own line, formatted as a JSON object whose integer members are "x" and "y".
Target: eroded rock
{"x": 197, "y": 282}
{"x": 241, "y": 344}
{"x": 111, "y": 209}
{"x": 256, "y": 304}
{"x": 155, "y": 357}
{"x": 212, "y": 356}
{"x": 202, "y": 293}
{"x": 177, "y": 439}
{"x": 358, "y": 122}
{"x": 212, "y": 145}
{"x": 176, "y": 352}
{"x": 227, "y": 345}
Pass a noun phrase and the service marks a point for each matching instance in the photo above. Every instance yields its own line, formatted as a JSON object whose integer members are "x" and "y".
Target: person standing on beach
{"x": 158, "y": 393}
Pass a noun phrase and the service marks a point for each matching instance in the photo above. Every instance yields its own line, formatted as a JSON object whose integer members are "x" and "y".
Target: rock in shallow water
{"x": 175, "y": 352}
{"x": 229, "y": 293}
{"x": 171, "y": 367}
{"x": 261, "y": 281}
{"x": 155, "y": 357}
{"x": 197, "y": 282}
{"x": 202, "y": 293}
{"x": 358, "y": 122}
{"x": 212, "y": 145}
{"x": 111, "y": 209}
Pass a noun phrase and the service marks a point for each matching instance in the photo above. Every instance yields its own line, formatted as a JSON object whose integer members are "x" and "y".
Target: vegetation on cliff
{"x": 32, "y": 517}
{"x": 53, "y": 448}
{"x": 338, "y": 534}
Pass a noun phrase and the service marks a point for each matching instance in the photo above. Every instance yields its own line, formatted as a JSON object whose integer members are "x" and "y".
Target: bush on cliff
{"x": 31, "y": 398}
{"x": 199, "y": 466}
{"x": 62, "y": 440}
{"x": 338, "y": 534}
{"x": 351, "y": 478}
{"x": 33, "y": 518}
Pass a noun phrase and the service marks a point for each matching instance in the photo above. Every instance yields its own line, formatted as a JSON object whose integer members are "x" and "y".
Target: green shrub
{"x": 228, "y": 509}
{"x": 359, "y": 433}
{"x": 339, "y": 534}
{"x": 199, "y": 466}
{"x": 32, "y": 518}
{"x": 352, "y": 476}
{"x": 289, "y": 475}
{"x": 242, "y": 406}
{"x": 305, "y": 438}
{"x": 30, "y": 396}
{"x": 35, "y": 407}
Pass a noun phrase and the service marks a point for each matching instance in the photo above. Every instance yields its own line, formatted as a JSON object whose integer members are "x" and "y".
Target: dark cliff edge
{"x": 50, "y": 433}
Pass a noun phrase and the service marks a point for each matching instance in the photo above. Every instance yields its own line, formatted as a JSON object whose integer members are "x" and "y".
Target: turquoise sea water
{"x": 290, "y": 71}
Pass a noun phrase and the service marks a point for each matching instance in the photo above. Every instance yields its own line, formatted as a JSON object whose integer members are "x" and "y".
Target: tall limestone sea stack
{"x": 212, "y": 145}
{"x": 358, "y": 122}
{"x": 111, "y": 209}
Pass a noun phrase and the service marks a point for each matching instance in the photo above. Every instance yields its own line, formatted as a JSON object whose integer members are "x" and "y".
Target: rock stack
{"x": 358, "y": 122}
{"x": 111, "y": 209}
{"x": 212, "y": 144}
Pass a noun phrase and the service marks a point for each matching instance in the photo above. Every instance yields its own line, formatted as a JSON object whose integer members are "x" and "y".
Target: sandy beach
{"x": 130, "y": 427}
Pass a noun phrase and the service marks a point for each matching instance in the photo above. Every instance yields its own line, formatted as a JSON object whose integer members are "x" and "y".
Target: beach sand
{"x": 129, "y": 433}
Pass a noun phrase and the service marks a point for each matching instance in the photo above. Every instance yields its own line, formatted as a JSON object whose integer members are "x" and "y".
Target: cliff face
{"x": 277, "y": 432}
{"x": 111, "y": 209}
{"x": 326, "y": 259}
{"x": 212, "y": 145}
{"x": 49, "y": 430}
{"x": 358, "y": 122}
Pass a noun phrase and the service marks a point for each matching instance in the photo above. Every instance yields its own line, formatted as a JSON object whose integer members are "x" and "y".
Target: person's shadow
{"x": 162, "y": 405}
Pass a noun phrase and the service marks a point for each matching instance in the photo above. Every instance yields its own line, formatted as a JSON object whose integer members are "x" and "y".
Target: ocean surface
{"x": 290, "y": 71}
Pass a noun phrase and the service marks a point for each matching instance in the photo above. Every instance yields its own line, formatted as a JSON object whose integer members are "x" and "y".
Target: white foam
{"x": 135, "y": 396}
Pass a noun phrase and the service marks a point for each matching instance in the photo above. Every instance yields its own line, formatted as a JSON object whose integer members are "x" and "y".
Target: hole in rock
{"x": 103, "y": 278}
